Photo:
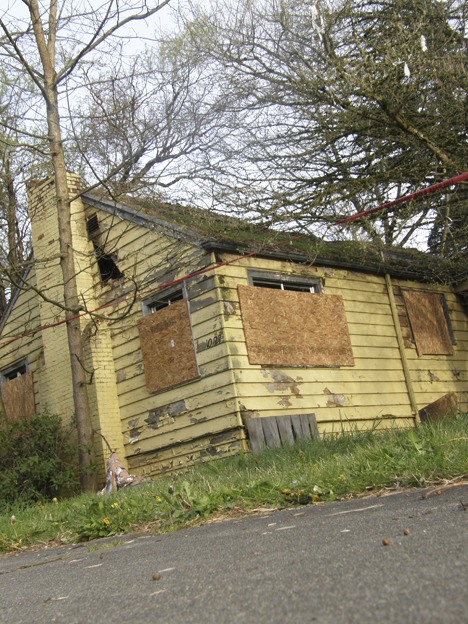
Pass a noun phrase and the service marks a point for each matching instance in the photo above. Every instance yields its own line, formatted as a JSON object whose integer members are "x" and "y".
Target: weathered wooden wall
{"x": 373, "y": 391}
{"x": 169, "y": 428}
{"x": 24, "y": 318}
{"x": 174, "y": 427}
{"x": 434, "y": 376}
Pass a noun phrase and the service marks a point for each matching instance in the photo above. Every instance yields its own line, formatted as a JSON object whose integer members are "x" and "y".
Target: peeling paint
{"x": 172, "y": 410}
{"x": 227, "y": 436}
{"x": 248, "y": 413}
{"x": 285, "y": 402}
{"x": 457, "y": 374}
{"x": 121, "y": 376}
{"x": 229, "y": 309}
{"x": 201, "y": 303}
{"x": 134, "y": 430}
{"x": 432, "y": 376}
{"x": 281, "y": 383}
{"x": 334, "y": 400}
{"x": 195, "y": 421}
{"x": 202, "y": 287}
{"x": 209, "y": 451}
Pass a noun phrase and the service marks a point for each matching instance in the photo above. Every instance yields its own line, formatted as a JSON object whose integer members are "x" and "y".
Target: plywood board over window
{"x": 428, "y": 323}
{"x": 167, "y": 347}
{"x": 18, "y": 397}
{"x": 287, "y": 328}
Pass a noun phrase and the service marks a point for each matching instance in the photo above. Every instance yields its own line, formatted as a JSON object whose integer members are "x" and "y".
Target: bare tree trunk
{"x": 84, "y": 427}
{"x": 15, "y": 244}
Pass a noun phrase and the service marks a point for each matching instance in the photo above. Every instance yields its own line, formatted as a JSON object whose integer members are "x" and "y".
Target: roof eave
{"x": 303, "y": 258}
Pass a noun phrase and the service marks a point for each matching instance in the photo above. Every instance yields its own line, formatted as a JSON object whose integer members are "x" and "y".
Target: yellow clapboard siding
{"x": 155, "y": 439}
{"x": 138, "y": 394}
{"x": 191, "y": 389}
{"x": 307, "y": 388}
{"x": 139, "y": 428}
{"x": 375, "y": 352}
{"x": 322, "y": 375}
{"x": 263, "y": 402}
{"x": 181, "y": 457}
{"x": 331, "y": 428}
{"x": 349, "y": 413}
{"x": 213, "y": 409}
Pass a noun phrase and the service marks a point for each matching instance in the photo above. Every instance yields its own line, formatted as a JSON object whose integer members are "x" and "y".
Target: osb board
{"x": 428, "y": 323}
{"x": 167, "y": 347}
{"x": 444, "y": 407}
{"x": 18, "y": 397}
{"x": 288, "y": 328}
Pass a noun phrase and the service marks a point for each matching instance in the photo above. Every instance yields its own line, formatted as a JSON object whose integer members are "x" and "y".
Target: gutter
{"x": 302, "y": 258}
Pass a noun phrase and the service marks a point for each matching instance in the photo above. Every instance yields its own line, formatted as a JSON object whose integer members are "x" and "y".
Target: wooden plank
{"x": 285, "y": 430}
{"x": 298, "y": 430}
{"x": 445, "y": 407}
{"x": 270, "y": 430}
{"x": 314, "y": 432}
{"x": 305, "y": 425}
{"x": 256, "y": 435}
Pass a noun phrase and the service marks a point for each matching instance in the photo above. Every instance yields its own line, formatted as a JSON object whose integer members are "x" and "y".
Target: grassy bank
{"x": 318, "y": 471}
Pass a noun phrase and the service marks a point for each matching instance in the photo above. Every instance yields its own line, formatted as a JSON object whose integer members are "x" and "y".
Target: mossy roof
{"x": 231, "y": 234}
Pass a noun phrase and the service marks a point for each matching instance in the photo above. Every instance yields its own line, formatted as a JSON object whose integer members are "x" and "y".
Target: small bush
{"x": 37, "y": 460}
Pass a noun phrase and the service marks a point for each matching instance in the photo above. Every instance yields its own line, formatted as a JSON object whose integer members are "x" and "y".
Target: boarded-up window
{"x": 428, "y": 323}
{"x": 167, "y": 347}
{"x": 18, "y": 397}
{"x": 287, "y": 328}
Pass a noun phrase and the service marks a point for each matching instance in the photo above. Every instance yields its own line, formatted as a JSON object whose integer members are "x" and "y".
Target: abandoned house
{"x": 205, "y": 336}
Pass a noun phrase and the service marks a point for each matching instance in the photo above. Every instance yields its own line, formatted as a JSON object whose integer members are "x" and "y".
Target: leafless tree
{"x": 53, "y": 44}
{"x": 335, "y": 107}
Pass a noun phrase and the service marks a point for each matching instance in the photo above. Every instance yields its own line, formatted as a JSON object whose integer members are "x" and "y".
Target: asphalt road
{"x": 324, "y": 563}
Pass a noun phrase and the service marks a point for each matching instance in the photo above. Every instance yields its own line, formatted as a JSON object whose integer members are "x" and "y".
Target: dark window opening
{"x": 107, "y": 266}
{"x": 162, "y": 301}
{"x": 12, "y": 372}
{"x": 446, "y": 310}
{"x": 285, "y": 285}
{"x": 282, "y": 281}
{"x": 108, "y": 269}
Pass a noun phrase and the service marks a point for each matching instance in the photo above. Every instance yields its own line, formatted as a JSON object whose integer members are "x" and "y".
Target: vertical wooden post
{"x": 401, "y": 347}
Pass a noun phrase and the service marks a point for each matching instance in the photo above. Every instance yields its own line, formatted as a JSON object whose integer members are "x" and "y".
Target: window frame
{"x": 8, "y": 373}
{"x": 165, "y": 297}
{"x": 262, "y": 279}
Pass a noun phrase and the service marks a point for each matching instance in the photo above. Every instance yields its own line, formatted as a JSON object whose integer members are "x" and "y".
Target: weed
{"x": 307, "y": 473}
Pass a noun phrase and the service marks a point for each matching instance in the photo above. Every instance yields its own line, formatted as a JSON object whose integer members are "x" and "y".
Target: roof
{"x": 216, "y": 232}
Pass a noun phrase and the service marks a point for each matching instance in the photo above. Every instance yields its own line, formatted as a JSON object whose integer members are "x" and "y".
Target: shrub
{"x": 37, "y": 459}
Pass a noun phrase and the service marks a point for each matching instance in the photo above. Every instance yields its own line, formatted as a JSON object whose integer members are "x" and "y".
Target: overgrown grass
{"x": 335, "y": 468}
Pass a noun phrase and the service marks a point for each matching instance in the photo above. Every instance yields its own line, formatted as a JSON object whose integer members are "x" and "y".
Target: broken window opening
{"x": 107, "y": 266}
{"x": 14, "y": 371}
{"x": 162, "y": 300}
{"x": 284, "y": 282}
